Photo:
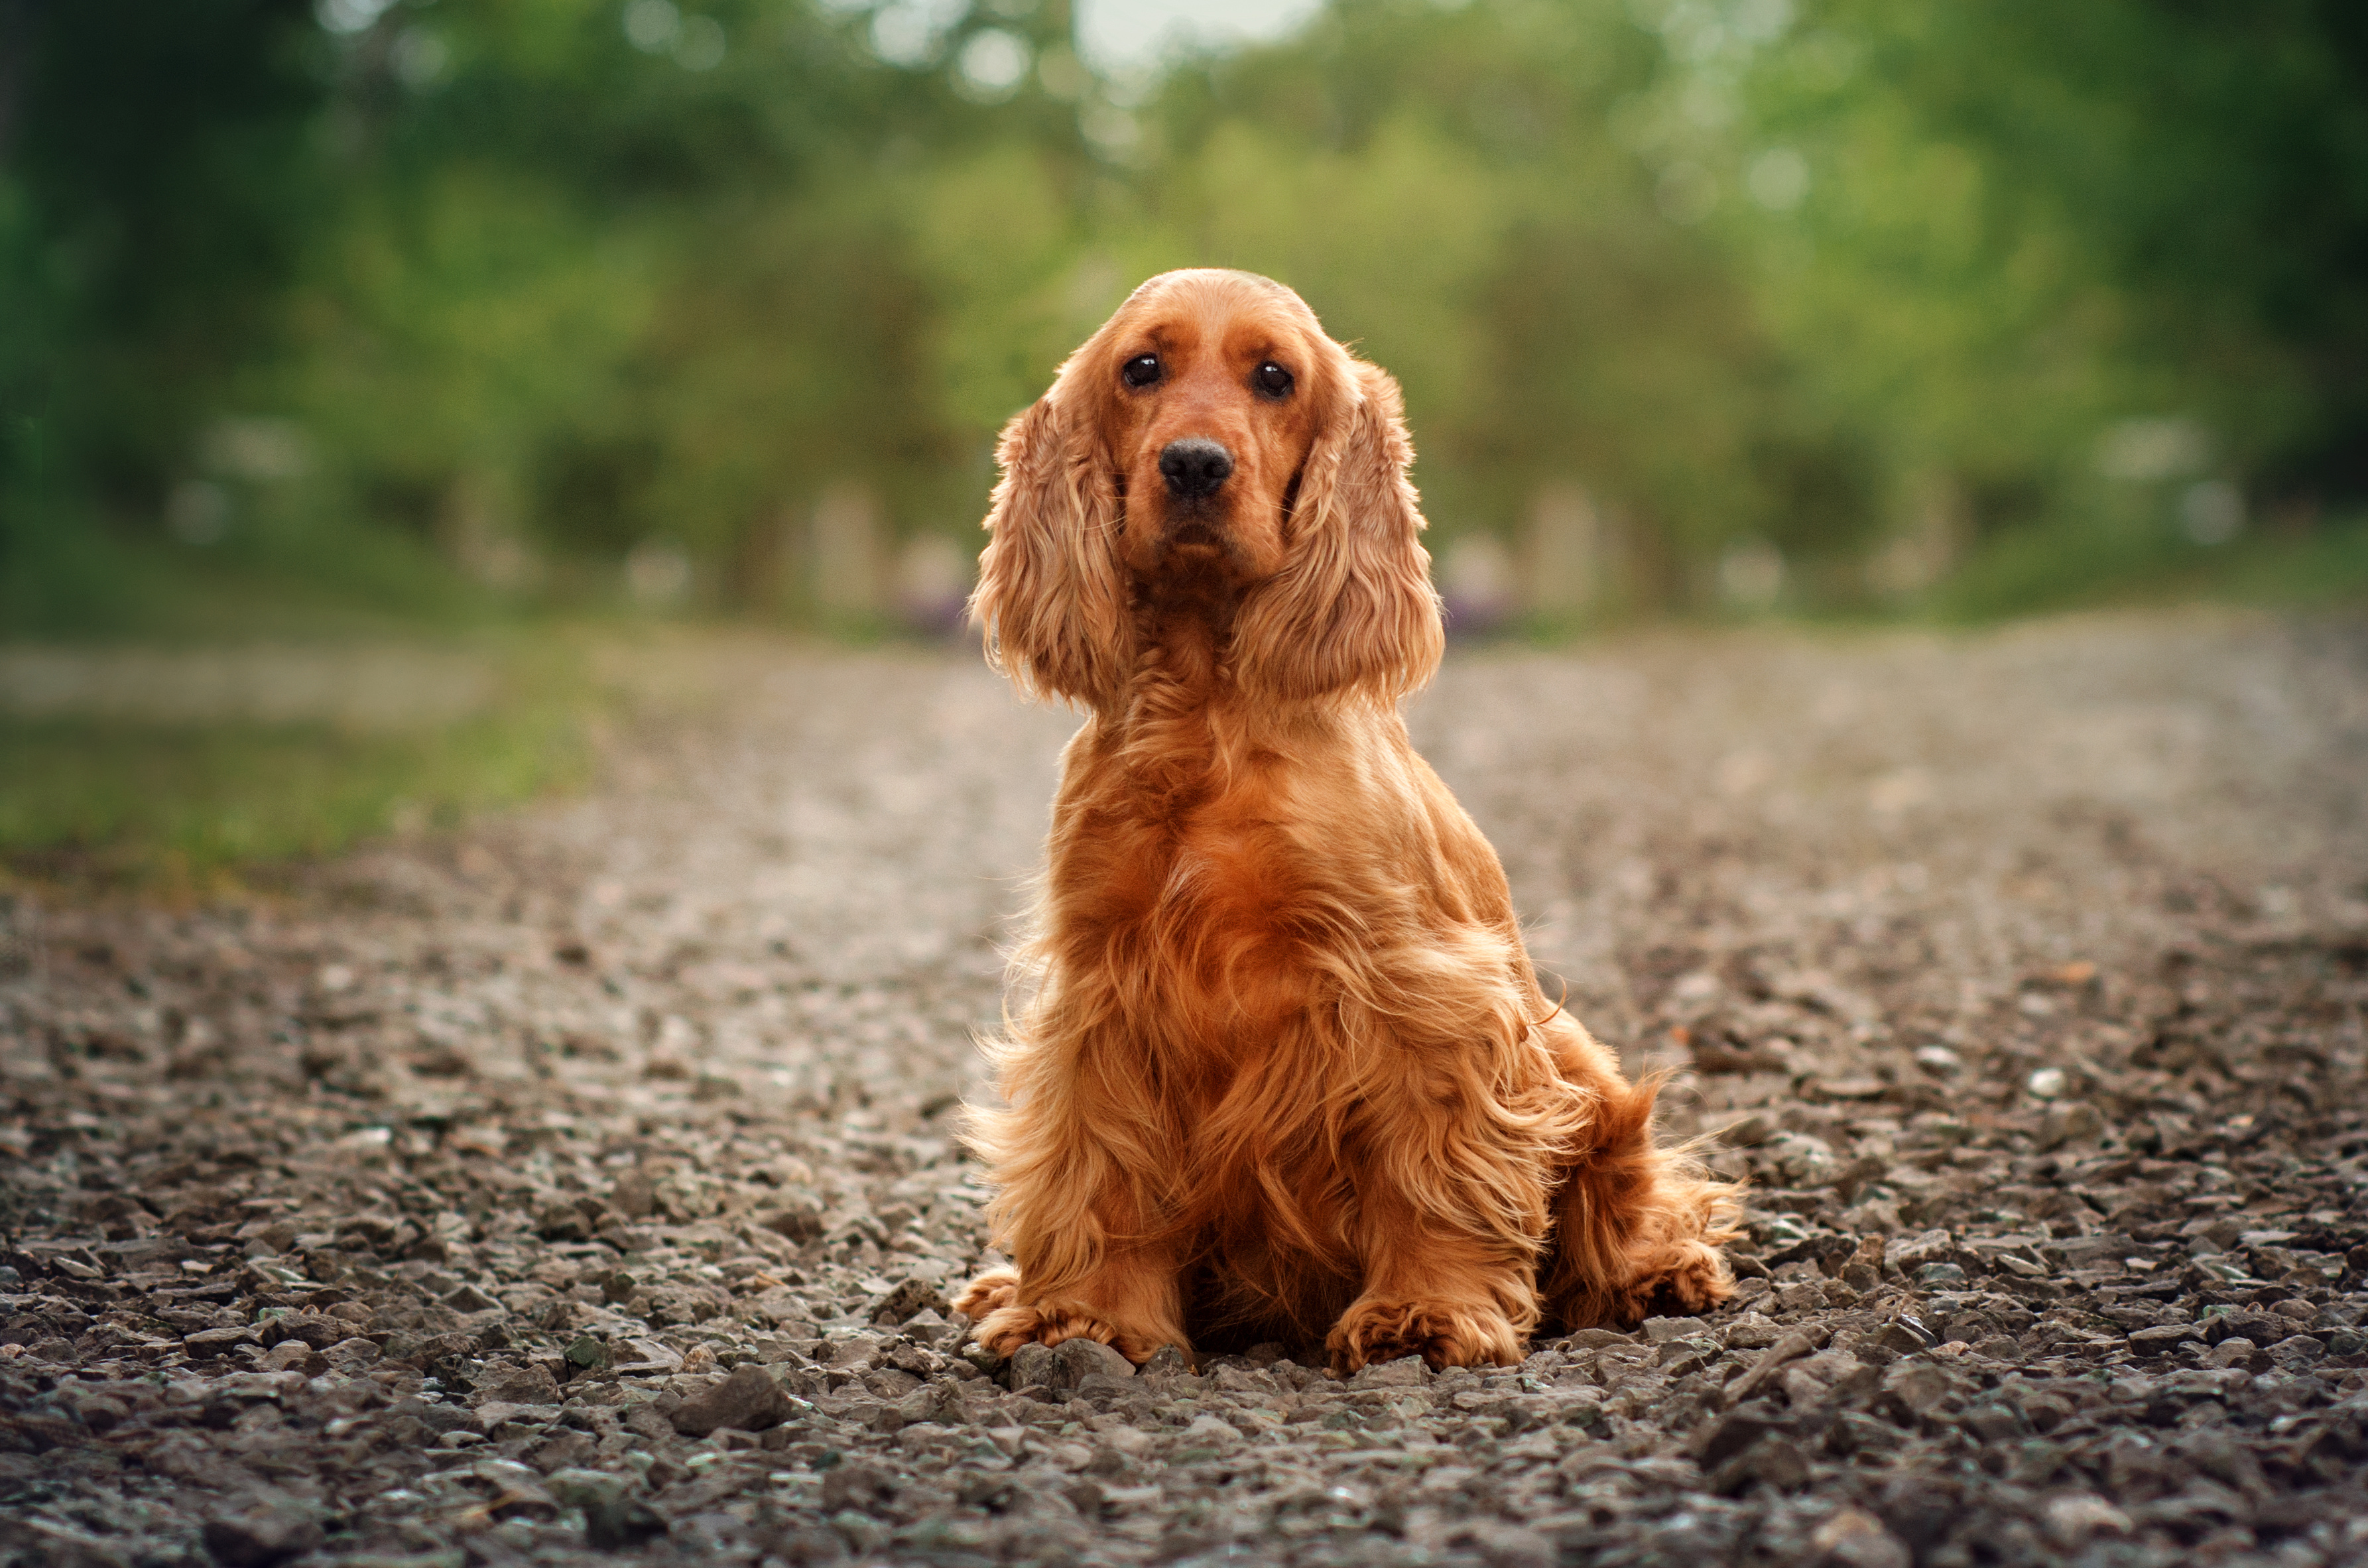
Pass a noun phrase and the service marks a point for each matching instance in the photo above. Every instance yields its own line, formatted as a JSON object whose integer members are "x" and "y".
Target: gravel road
{"x": 585, "y": 1186}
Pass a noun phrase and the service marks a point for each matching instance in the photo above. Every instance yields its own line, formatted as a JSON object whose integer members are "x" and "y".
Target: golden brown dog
{"x": 1286, "y": 1071}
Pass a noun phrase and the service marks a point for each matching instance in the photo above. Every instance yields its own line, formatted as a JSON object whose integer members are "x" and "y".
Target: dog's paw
{"x": 1665, "y": 1279}
{"x": 1676, "y": 1279}
{"x": 991, "y": 1291}
{"x": 1003, "y": 1323}
{"x": 1377, "y": 1329}
{"x": 1693, "y": 1277}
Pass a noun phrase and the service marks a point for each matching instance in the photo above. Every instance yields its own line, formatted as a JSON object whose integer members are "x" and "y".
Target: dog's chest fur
{"x": 1203, "y": 901}
{"x": 1202, "y": 890}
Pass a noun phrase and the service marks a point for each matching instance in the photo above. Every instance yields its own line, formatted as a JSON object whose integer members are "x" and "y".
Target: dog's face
{"x": 1211, "y": 451}
{"x": 1214, "y": 386}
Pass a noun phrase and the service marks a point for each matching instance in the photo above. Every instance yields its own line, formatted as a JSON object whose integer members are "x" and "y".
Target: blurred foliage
{"x": 426, "y": 309}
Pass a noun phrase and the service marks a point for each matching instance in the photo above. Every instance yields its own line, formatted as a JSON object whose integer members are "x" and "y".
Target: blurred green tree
{"x": 2085, "y": 277}
{"x": 155, "y": 193}
{"x": 1807, "y": 301}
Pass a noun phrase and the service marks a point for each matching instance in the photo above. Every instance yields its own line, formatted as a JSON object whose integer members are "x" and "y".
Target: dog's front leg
{"x": 1450, "y": 1211}
{"x": 1083, "y": 1271}
{"x": 1435, "y": 1286}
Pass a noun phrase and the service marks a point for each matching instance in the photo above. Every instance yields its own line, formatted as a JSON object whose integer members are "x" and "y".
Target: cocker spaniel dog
{"x": 1286, "y": 1071}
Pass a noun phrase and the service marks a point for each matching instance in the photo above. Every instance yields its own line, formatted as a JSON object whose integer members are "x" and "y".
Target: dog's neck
{"x": 1183, "y": 636}
{"x": 1180, "y": 677}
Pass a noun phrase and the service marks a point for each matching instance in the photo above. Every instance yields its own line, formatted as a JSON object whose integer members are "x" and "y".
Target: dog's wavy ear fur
{"x": 1353, "y": 611}
{"x": 1049, "y": 594}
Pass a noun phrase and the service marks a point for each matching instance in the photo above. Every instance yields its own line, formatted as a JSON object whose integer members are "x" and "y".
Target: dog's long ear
{"x": 1050, "y": 594}
{"x": 1353, "y": 610}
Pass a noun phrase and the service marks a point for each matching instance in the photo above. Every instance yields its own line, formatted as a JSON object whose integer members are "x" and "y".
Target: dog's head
{"x": 1210, "y": 441}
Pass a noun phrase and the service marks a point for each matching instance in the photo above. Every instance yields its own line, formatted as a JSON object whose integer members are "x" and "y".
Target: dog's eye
{"x": 1141, "y": 371}
{"x": 1273, "y": 380}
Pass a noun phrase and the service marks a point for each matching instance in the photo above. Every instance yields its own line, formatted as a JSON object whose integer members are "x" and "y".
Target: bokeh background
{"x": 329, "y": 317}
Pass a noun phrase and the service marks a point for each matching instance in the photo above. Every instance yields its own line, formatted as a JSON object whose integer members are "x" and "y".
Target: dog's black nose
{"x": 1194, "y": 467}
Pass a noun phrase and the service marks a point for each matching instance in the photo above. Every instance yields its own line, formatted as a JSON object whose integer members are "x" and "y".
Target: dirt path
{"x": 420, "y": 1217}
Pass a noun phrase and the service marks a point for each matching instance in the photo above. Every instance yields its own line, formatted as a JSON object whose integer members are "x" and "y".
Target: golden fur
{"x": 1286, "y": 1071}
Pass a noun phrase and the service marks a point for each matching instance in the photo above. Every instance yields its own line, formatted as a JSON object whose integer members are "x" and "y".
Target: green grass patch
{"x": 2326, "y": 566}
{"x": 189, "y": 807}
{"x": 2042, "y": 571}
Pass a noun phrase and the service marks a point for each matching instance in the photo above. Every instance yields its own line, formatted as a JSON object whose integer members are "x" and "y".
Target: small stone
{"x": 291, "y": 1355}
{"x": 1167, "y": 1361}
{"x": 1992, "y": 1424}
{"x": 1732, "y": 1433}
{"x": 1904, "y": 1254}
{"x": 2075, "y": 1121}
{"x": 2045, "y": 1083}
{"x": 747, "y": 1401}
{"x": 1917, "y": 1386}
{"x": 857, "y": 1352}
{"x": 1904, "y": 1337}
{"x": 312, "y": 1329}
{"x": 1660, "y": 1329}
{"x": 1754, "y": 1331}
{"x": 1774, "y": 1461}
{"x": 613, "y": 1516}
{"x": 1031, "y": 1366}
{"x": 912, "y": 1295}
{"x": 634, "y": 1196}
{"x": 1126, "y": 1442}
{"x": 262, "y": 1537}
{"x": 209, "y": 1343}
{"x": 642, "y": 1358}
{"x": 519, "y": 1385}
{"x": 494, "y": 1413}
{"x": 861, "y": 1532}
{"x": 1750, "y": 1133}
{"x": 563, "y": 1449}
{"x": 563, "y": 1222}
{"x": 858, "y": 1487}
{"x": 2250, "y": 1324}
{"x": 1940, "y": 1277}
{"x": 801, "y": 1222}
{"x": 2298, "y": 1350}
{"x": 1207, "y": 1432}
{"x": 1771, "y": 1361}
{"x": 1678, "y": 1357}
{"x": 1075, "y": 1360}
{"x": 586, "y": 1488}
{"x": 926, "y": 1328}
{"x": 1854, "y": 1539}
{"x": 1406, "y": 1371}
{"x": 2163, "y": 1338}
{"x": 2075, "y": 1517}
